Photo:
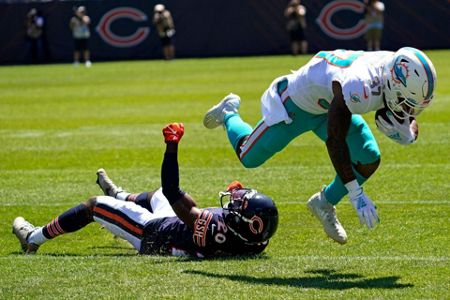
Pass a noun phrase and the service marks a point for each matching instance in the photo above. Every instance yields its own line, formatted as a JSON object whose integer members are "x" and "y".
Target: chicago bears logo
{"x": 325, "y": 20}
{"x": 400, "y": 71}
{"x": 113, "y": 39}
{"x": 256, "y": 225}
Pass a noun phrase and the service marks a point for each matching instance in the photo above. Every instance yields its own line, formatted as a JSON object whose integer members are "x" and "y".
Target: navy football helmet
{"x": 251, "y": 216}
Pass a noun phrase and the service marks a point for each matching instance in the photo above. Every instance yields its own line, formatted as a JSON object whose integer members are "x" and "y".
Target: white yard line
{"x": 368, "y": 257}
{"x": 283, "y": 258}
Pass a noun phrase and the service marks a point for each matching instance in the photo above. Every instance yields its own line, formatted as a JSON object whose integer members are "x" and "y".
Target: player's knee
{"x": 250, "y": 164}
{"x": 367, "y": 170}
{"x": 91, "y": 202}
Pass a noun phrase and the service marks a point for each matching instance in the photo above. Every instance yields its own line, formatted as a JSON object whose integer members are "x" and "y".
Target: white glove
{"x": 365, "y": 208}
{"x": 400, "y": 133}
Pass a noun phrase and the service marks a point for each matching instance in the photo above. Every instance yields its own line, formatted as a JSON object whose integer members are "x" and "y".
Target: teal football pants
{"x": 264, "y": 141}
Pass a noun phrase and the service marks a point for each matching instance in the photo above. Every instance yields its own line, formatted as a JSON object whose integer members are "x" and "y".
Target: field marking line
{"x": 368, "y": 257}
{"x": 288, "y": 258}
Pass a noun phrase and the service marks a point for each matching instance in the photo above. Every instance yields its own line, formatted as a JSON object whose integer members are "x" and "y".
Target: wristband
{"x": 353, "y": 188}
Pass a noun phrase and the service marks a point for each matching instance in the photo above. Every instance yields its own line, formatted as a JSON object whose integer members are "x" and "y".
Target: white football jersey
{"x": 358, "y": 72}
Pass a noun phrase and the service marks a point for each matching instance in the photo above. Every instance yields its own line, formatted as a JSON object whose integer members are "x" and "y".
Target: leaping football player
{"x": 327, "y": 96}
{"x": 167, "y": 221}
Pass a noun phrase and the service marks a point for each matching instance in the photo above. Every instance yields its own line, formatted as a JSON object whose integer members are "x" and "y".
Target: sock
{"x": 141, "y": 200}
{"x": 336, "y": 190}
{"x": 236, "y": 128}
{"x": 122, "y": 196}
{"x": 69, "y": 221}
{"x": 37, "y": 237}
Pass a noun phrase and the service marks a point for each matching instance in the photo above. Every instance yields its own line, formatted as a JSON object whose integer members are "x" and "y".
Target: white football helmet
{"x": 410, "y": 81}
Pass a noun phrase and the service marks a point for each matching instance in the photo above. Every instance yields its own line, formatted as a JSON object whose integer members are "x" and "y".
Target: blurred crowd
{"x": 295, "y": 14}
{"x": 296, "y": 25}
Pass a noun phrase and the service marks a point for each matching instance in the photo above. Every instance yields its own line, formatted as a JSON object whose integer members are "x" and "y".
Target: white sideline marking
{"x": 359, "y": 258}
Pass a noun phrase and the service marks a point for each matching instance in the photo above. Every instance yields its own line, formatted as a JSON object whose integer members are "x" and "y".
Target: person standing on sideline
{"x": 35, "y": 30}
{"x": 165, "y": 27}
{"x": 374, "y": 19}
{"x": 296, "y": 24}
{"x": 79, "y": 24}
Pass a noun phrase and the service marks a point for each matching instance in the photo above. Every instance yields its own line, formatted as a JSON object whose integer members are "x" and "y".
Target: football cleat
{"x": 106, "y": 184}
{"x": 22, "y": 229}
{"x": 326, "y": 213}
{"x": 214, "y": 117}
{"x": 173, "y": 132}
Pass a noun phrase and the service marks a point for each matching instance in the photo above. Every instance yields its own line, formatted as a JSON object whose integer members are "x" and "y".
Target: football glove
{"x": 234, "y": 185}
{"x": 401, "y": 133}
{"x": 173, "y": 132}
{"x": 365, "y": 208}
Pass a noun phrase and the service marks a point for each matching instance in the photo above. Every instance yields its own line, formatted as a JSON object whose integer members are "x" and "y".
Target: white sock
{"x": 37, "y": 237}
{"x": 122, "y": 195}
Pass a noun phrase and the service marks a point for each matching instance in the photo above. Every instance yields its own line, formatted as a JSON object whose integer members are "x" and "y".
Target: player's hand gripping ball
{"x": 402, "y": 131}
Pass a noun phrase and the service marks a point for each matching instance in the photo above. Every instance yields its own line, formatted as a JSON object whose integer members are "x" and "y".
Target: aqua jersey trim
{"x": 340, "y": 58}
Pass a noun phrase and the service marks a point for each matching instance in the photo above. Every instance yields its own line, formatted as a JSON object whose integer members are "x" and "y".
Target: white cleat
{"x": 106, "y": 184}
{"x": 22, "y": 229}
{"x": 214, "y": 117}
{"x": 326, "y": 213}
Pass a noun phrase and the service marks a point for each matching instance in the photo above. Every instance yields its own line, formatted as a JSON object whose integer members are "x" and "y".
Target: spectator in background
{"x": 36, "y": 41}
{"x": 374, "y": 19}
{"x": 163, "y": 21}
{"x": 79, "y": 24}
{"x": 296, "y": 23}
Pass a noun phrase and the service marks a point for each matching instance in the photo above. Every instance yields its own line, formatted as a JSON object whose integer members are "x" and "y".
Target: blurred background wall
{"x": 123, "y": 29}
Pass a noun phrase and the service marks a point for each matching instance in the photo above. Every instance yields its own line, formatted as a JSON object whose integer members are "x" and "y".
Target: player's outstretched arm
{"x": 182, "y": 203}
{"x": 339, "y": 120}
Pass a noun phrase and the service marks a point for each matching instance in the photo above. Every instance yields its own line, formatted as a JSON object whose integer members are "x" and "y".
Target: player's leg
{"x": 109, "y": 188}
{"x": 365, "y": 156}
{"x": 160, "y": 205}
{"x": 255, "y": 146}
{"x": 124, "y": 219}
{"x": 364, "y": 153}
{"x": 323, "y": 209}
{"x": 265, "y": 141}
{"x": 226, "y": 113}
{"x": 32, "y": 237}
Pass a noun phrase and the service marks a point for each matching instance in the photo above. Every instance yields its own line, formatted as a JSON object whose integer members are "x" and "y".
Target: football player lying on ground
{"x": 167, "y": 221}
{"x": 327, "y": 96}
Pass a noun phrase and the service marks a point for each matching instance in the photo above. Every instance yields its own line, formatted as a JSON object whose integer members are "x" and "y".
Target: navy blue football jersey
{"x": 210, "y": 237}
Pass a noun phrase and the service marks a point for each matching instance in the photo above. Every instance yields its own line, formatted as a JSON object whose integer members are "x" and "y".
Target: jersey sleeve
{"x": 210, "y": 230}
{"x": 356, "y": 95}
{"x": 202, "y": 228}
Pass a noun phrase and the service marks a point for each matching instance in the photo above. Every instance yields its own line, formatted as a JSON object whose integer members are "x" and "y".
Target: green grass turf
{"x": 58, "y": 124}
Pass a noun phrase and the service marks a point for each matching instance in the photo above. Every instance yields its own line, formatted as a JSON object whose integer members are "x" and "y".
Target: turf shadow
{"x": 320, "y": 279}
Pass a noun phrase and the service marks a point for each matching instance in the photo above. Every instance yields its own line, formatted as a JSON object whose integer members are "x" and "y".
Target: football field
{"x": 59, "y": 124}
